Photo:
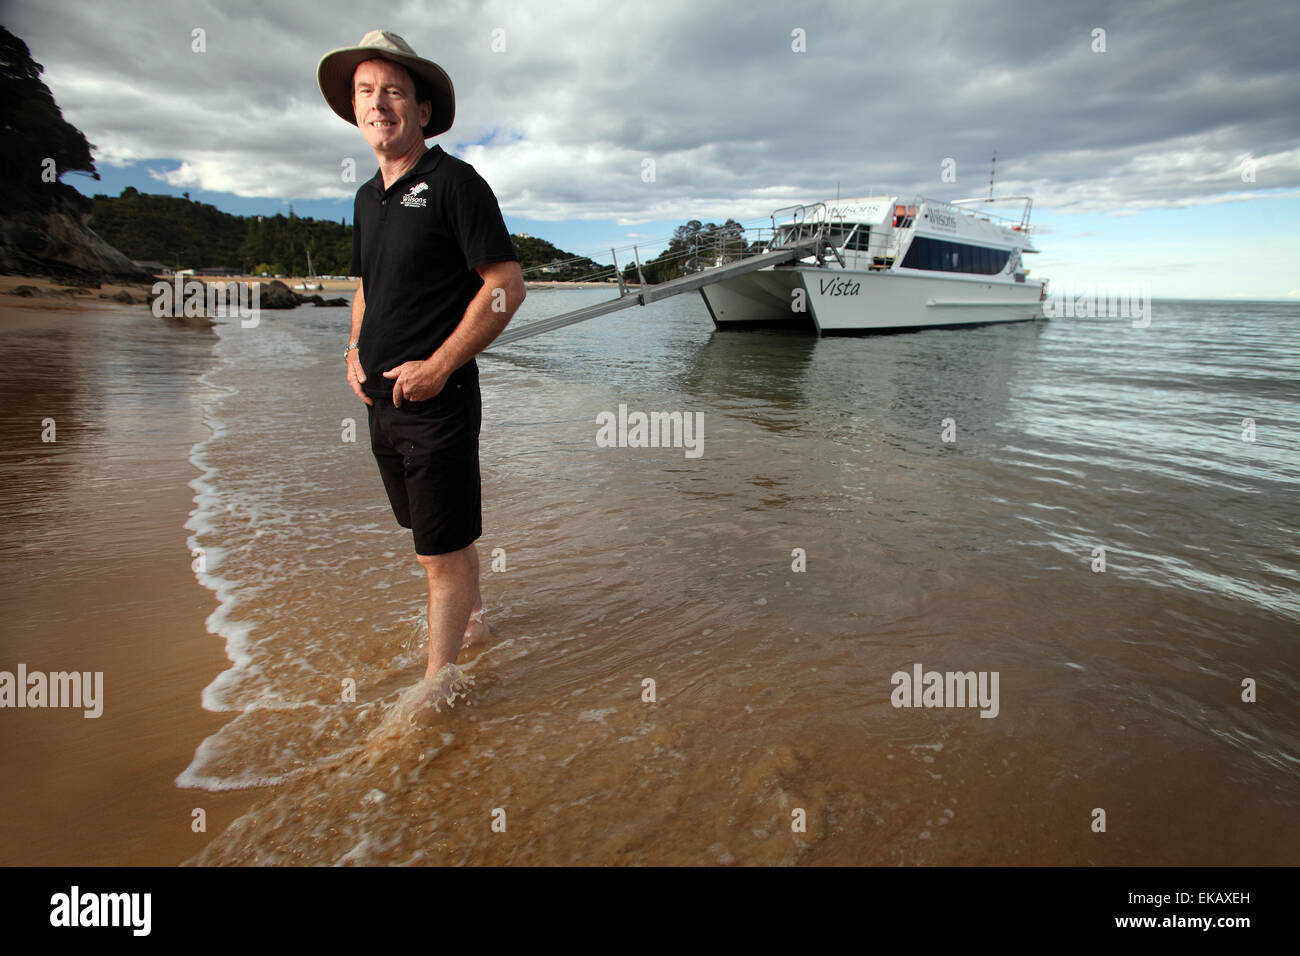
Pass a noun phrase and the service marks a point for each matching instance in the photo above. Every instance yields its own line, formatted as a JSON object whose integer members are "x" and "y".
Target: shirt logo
{"x": 413, "y": 197}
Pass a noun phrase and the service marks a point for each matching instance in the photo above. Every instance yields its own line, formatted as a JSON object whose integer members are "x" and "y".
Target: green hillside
{"x": 181, "y": 233}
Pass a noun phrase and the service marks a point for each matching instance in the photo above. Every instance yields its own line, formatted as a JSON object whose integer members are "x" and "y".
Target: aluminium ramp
{"x": 664, "y": 290}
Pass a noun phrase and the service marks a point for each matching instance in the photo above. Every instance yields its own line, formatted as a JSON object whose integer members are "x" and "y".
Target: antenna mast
{"x": 992, "y": 169}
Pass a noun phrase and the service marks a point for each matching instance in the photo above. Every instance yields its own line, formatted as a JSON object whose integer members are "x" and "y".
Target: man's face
{"x": 383, "y": 98}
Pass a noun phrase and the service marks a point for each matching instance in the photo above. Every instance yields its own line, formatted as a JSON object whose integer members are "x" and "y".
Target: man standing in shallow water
{"x": 440, "y": 280}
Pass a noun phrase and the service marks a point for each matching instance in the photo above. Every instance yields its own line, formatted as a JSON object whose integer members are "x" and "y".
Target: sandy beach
{"x": 97, "y": 577}
{"x": 52, "y": 295}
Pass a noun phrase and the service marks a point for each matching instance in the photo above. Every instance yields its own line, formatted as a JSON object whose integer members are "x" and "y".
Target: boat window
{"x": 861, "y": 239}
{"x": 837, "y": 233}
{"x": 940, "y": 255}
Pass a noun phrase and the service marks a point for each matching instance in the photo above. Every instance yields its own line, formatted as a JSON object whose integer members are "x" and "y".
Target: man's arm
{"x": 486, "y": 316}
{"x": 355, "y": 375}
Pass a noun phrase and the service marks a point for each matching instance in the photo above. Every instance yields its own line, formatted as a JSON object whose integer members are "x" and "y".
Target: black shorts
{"x": 428, "y": 457}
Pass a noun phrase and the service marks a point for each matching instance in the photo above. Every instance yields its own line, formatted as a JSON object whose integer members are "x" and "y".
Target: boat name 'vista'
{"x": 839, "y": 287}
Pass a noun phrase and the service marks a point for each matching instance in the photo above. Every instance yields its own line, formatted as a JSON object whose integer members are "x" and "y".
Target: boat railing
{"x": 881, "y": 248}
{"x": 807, "y": 221}
{"x": 808, "y": 225}
{"x": 1020, "y": 224}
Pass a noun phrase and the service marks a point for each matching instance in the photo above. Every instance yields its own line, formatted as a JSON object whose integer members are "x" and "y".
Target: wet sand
{"x": 100, "y": 585}
{"x": 58, "y": 296}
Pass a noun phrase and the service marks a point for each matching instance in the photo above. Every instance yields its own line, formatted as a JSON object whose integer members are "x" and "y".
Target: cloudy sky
{"x": 1160, "y": 141}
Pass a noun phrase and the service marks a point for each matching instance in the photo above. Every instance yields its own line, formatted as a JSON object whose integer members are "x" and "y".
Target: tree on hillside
{"x": 541, "y": 260}
{"x": 185, "y": 233}
{"x": 33, "y": 131}
{"x": 695, "y": 245}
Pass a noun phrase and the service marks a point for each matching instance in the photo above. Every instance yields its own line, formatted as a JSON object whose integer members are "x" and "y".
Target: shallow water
{"x": 771, "y": 686}
{"x": 770, "y": 700}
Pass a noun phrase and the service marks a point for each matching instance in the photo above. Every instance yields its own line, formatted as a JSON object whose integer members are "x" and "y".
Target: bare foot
{"x": 435, "y": 691}
{"x": 477, "y": 632}
{"x": 419, "y": 705}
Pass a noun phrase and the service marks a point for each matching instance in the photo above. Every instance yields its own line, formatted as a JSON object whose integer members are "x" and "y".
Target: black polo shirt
{"x": 415, "y": 246}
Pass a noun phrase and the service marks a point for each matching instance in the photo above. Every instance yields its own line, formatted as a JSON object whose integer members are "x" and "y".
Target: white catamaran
{"x": 857, "y": 265}
{"x": 886, "y": 263}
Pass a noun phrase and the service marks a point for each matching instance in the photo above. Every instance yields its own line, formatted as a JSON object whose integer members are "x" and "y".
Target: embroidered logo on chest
{"x": 413, "y": 197}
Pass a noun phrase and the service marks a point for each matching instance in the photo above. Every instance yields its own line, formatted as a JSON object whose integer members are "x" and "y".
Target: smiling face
{"x": 383, "y": 99}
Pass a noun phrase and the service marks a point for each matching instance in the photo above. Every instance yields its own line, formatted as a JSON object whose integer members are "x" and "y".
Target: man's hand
{"x": 415, "y": 381}
{"x": 356, "y": 376}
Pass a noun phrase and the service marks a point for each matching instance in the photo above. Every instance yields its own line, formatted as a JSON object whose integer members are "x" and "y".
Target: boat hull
{"x": 760, "y": 299}
{"x": 841, "y": 300}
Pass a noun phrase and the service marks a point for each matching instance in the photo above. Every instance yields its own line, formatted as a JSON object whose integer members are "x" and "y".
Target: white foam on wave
{"x": 202, "y": 524}
{"x": 224, "y": 760}
{"x": 191, "y": 779}
{"x": 210, "y": 503}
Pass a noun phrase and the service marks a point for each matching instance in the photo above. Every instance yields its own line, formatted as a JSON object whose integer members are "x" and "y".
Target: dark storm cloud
{"x": 734, "y": 120}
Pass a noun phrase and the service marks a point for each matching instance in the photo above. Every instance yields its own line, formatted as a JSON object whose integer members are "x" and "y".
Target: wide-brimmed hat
{"x": 334, "y": 73}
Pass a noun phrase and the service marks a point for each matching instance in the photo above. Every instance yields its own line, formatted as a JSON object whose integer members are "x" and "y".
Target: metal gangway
{"x": 806, "y": 236}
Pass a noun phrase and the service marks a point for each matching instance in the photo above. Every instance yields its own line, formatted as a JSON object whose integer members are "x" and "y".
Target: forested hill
{"x": 181, "y": 233}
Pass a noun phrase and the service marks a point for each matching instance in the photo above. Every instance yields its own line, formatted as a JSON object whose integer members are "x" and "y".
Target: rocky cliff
{"x": 57, "y": 241}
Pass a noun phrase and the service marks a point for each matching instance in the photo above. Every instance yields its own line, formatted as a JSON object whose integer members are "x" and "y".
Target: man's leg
{"x": 477, "y": 631}
{"x": 453, "y": 593}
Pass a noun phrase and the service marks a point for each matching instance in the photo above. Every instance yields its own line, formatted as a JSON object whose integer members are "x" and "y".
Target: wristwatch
{"x": 351, "y": 346}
